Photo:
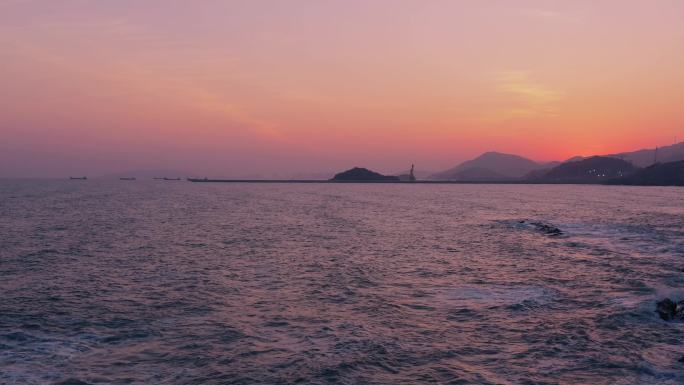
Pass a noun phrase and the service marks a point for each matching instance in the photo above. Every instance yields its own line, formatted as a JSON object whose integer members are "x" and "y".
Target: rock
{"x": 681, "y": 359}
{"x": 666, "y": 309}
{"x": 680, "y": 309}
{"x": 546, "y": 228}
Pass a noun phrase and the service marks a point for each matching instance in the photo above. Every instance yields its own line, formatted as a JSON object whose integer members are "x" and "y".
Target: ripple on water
{"x": 158, "y": 283}
{"x": 487, "y": 296}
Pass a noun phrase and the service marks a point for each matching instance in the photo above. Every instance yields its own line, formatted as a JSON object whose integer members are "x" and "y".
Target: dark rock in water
{"x": 548, "y": 229}
{"x": 666, "y": 309}
{"x": 71, "y": 381}
{"x": 545, "y": 228}
{"x": 681, "y": 359}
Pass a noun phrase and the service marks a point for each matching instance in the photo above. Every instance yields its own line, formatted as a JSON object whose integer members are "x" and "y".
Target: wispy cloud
{"x": 213, "y": 101}
{"x": 525, "y": 97}
{"x": 110, "y": 55}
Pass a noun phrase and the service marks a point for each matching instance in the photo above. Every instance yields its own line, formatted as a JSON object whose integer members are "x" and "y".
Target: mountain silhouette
{"x": 647, "y": 157}
{"x": 590, "y": 170}
{"x": 490, "y": 166}
{"x": 659, "y": 174}
{"x": 479, "y": 174}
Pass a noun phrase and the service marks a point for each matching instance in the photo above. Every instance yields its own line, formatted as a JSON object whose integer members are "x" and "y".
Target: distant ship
{"x": 77, "y": 178}
{"x": 172, "y": 178}
{"x": 127, "y": 178}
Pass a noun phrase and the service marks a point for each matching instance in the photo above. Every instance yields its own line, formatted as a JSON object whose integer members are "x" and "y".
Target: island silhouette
{"x": 360, "y": 174}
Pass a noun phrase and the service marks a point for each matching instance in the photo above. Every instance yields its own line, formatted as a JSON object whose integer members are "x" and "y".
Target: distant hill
{"x": 590, "y": 170}
{"x": 660, "y": 174}
{"x": 358, "y": 174}
{"x": 479, "y": 174}
{"x": 489, "y": 166}
{"x": 545, "y": 168}
{"x": 646, "y": 157}
{"x": 536, "y": 175}
{"x": 549, "y": 165}
{"x": 575, "y": 159}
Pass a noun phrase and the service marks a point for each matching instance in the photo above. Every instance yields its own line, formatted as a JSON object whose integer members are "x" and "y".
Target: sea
{"x": 173, "y": 282}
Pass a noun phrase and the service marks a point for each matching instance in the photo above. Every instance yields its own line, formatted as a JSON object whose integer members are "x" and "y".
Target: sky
{"x": 255, "y": 87}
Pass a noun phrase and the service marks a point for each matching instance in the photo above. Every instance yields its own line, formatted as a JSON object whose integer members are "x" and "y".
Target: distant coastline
{"x": 661, "y": 166}
{"x": 420, "y": 182}
{"x": 590, "y": 171}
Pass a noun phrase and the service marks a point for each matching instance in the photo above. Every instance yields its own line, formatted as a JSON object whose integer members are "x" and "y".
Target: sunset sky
{"x": 235, "y": 88}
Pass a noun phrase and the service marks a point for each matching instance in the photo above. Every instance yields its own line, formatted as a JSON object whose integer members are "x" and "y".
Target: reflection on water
{"x": 118, "y": 283}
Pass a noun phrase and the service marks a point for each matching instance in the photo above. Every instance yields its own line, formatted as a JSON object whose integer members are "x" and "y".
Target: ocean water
{"x": 153, "y": 282}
